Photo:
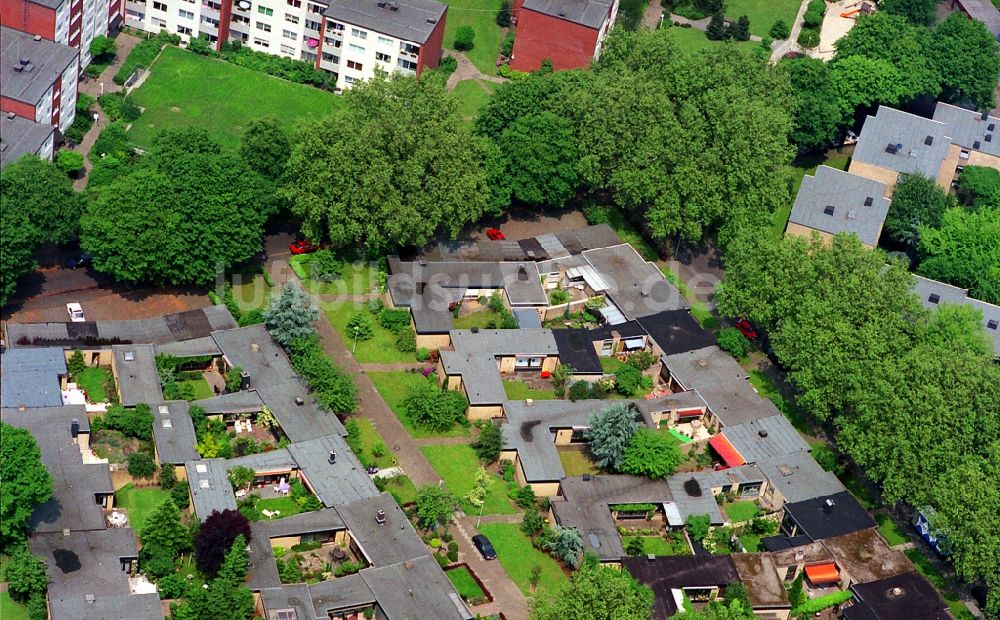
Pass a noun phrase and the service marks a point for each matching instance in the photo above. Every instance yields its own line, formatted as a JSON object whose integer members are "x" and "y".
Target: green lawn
{"x": 457, "y": 466}
{"x": 139, "y": 503}
{"x": 750, "y": 542}
{"x": 466, "y": 585}
{"x": 576, "y": 462}
{"x": 357, "y": 278}
{"x": 12, "y": 610}
{"x": 610, "y": 364}
{"x": 518, "y": 557}
{"x": 519, "y": 390}
{"x": 742, "y": 511}
{"x": 284, "y": 505}
{"x": 889, "y": 530}
{"x": 392, "y": 386}
{"x": 678, "y": 436}
{"x": 472, "y": 96}
{"x": 478, "y": 319}
{"x": 763, "y": 13}
{"x": 200, "y": 387}
{"x": 379, "y": 349}
{"x": 699, "y": 310}
{"x": 694, "y": 40}
{"x": 481, "y": 15}
{"x": 802, "y": 166}
{"x": 369, "y": 439}
{"x": 92, "y": 381}
{"x": 252, "y": 292}
{"x": 402, "y": 490}
{"x": 187, "y": 90}
{"x": 657, "y": 545}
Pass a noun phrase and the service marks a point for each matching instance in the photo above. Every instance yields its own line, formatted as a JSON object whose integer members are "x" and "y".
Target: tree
{"x": 164, "y": 529}
{"x": 76, "y": 363}
{"x": 979, "y": 186}
{"x": 465, "y": 38}
{"x": 733, "y": 342}
{"x": 391, "y": 167}
{"x": 26, "y": 482}
{"x": 717, "y": 30}
{"x": 964, "y": 251}
{"x": 532, "y": 522}
{"x": 566, "y": 545}
{"x": 697, "y": 526}
{"x": 216, "y": 536}
{"x": 26, "y": 576}
{"x": 234, "y": 565}
{"x": 917, "y": 201}
{"x": 181, "y": 494}
{"x": 332, "y": 387}
{"x": 609, "y": 433}
{"x": 326, "y": 267}
{"x": 740, "y": 31}
{"x": 70, "y": 162}
{"x": 796, "y": 593}
{"x": 920, "y": 12}
{"x": 433, "y": 408}
{"x": 266, "y": 147}
{"x": 45, "y": 196}
{"x": 635, "y": 547}
{"x": 289, "y": 314}
{"x": 709, "y": 7}
{"x": 504, "y": 14}
{"x": 167, "y": 478}
{"x": 435, "y": 505}
{"x": 477, "y": 494}
{"x": 188, "y": 212}
{"x": 360, "y": 327}
{"x": 867, "y": 82}
{"x": 541, "y": 159}
{"x": 18, "y": 242}
{"x": 141, "y": 465}
{"x": 967, "y": 58}
{"x": 594, "y": 593}
{"x": 103, "y": 47}
{"x": 241, "y": 477}
{"x": 489, "y": 443}
{"x": 629, "y": 380}
{"x": 819, "y": 110}
{"x": 780, "y": 30}
{"x": 651, "y": 453}
{"x": 234, "y": 379}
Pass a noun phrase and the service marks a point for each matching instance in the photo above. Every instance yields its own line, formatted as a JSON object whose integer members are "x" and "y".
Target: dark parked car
{"x": 81, "y": 260}
{"x": 484, "y": 546}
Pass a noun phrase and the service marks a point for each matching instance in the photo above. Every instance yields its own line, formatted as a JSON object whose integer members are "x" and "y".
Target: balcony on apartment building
{"x": 211, "y": 9}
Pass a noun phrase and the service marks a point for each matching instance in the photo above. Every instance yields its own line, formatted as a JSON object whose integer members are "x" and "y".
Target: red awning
{"x": 820, "y": 574}
{"x": 726, "y": 450}
{"x": 690, "y": 413}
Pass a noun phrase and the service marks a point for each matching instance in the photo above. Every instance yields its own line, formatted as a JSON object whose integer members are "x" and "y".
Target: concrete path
{"x": 780, "y": 48}
{"x": 654, "y": 13}
{"x": 507, "y": 597}
{"x": 701, "y": 24}
{"x": 467, "y": 71}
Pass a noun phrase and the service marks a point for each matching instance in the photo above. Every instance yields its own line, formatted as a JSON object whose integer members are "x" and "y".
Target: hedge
{"x": 820, "y": 603}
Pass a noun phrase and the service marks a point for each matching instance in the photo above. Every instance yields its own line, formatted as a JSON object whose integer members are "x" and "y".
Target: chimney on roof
{"x": 474, "y": 330}
{"x": 18, "y": 69}
{"x": 65, "y": 532}
{"x": 985, "y": 116}
{"x": 529, "y": 402}
{"x": 10, "y": 116}
{"x": 24, "y": 61}
{"x": 394, "y": 7}
{"x": 828, "y": 506}
{"x": 299, "y": 401}
{"x": 254, "y": 347}
{"x": 332, "y": 458}
{"x": 380, "y": 517}
{"x": 897, "y": 591}
{"x": 586, "y": 477}
{"x": 90, "y": 598}
{"x": 762, "y": 433}
{"x": 702, "y": 363}
{"x": 74, "y": 427}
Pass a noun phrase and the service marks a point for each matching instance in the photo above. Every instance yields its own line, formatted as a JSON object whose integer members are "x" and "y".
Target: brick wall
{"x": 540, "y": 37}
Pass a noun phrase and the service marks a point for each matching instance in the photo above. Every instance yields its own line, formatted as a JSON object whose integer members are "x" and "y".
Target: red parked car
{"x": 746, "y": 328}
{"x": 302, "y": 247}
{"x": 494, "y": 234}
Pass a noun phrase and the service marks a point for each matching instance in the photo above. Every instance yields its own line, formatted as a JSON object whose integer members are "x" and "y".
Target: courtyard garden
{"x": 763, "y": 13}
{"x": 466, "y": 585}
{"x": 96, "y": 382}
{"x": 357, "y": 277}
{"x": 519, "y": 558}
{"x": 378, "y": 348}
{"x": 139, "y": 503}
{"x": 481, "y": 16}
{"x": 457, "y": 466}
{"x": 392, "y": 386}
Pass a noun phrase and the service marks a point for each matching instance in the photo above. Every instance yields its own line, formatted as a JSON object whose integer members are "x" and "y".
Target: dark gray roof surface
{"x": 136, "y": 374}
{"x": 294, "y": 596}
{"x": 74, "y": 484}
{"x": 344, "y": 481}
{"x": 298, "y": 421}
{"x": 87, "y": 564}
{"x": 576, "y": 349}
{"x": 474, "y": 358}
{"x": 665, "y": 573}
{"x": 324, "y": 520}
{"x": 244, "y": 401}
{"x": 818, "y": 520}
{"x": 270, "y": 461}
{"x": 413, "y": 20}
{"x": 690, "y": 502}
{"x": 722, "y": 382}
{"x": 676, "y": 331}
{"x": 759, "y": 576}
{"x": 340, "y": 593}
{"x": 765, "y": 437}
{"x": 589, "y": 13}
{"x": 48, "y": 61}
{"x": 798, "y": 477}
{"x": 891, "y": 126}
{"x": 173, "y": 432}
{"x": 386, "y": 544}
{"x": 210, "y": 487}
{"x": 415, "y": 588}
{"x": 30, "y": 377}
{"x": 558, "y": 245}
{"x": 190, "y": 348}
{"x": 984, "y": 11}
{"x": 966, "y": 127}
{"x": 519, "y": 280}
{"x": 834, "y": 202}
{"x": 915, "y": 599}
{"x": 20, "y": 137}
{"x": 638, "y": 288}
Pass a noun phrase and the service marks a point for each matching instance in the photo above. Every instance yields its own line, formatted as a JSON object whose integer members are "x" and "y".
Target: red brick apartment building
{"x": 70, "y": 22}
{"x": 567, "y": 32}
{"x": 38, "y": 79}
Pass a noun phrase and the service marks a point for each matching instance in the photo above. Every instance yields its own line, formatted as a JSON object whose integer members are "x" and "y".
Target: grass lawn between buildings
{"x": 457, "y": 466}
{"x": 693, "y": 39}
{"x": 379, "y": 349}
{"x": 370, "y": 439}
{"x": 187, "y": 90}
{"x": 478, "y": 319}
{"x": 742, "y": 511}
{"x": 92, "y": 381}
{"x": 576, "y": 462}
{"x": 482, "y": 16}
{"x": 889, "y": 530}
{"x": 284, "y": 506}
{"x": 518, "y": 557}
{"x": 658, "y": 545}
{"x": 465, "y": 583}
{"x": 472, "y": 96}
{"x": 11, "y": 609}
{"x": 763, "y": 13}
{"x": 392, "y": 386}
{"x": 402, "y": 489}
{"x": 357, "y": 278}
{"x": 519, "y": 390}
{"x": 139, "y": 503}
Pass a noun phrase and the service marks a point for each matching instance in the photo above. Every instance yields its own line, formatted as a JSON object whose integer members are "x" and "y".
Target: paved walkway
{"x": 467, "y": 71}
{"x": 780, "y": 48}
{"x": 654, "y": 13}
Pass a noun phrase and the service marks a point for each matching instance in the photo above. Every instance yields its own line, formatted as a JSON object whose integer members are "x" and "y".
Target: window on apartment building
{"x": 287, "y": 49}
{"x": 409, "y": 48}
{"x": 263, "y": 10}
{"x": 335, "y": 26}
{"x": 407, "y": 64}
{"x": 349, "y": 80}
{"x": 311, "y": 25}
{"x": 159, "y": 6}
{"x": 379, "y": 56}
{"x": 308, "y": 57}
{"x": 183, "y": 29}
{"x": 288, "y": 34}
{"x": 356, "y": 48}
{"x": 359, "y": 34}
{"x": 263, "y": 26}
{"x": 315, "y": 8}
{"x": 328, "y": 57}
{"x": 241, "y": 19}
{"x": 357, "y": 66}
{"x": 210, "y": 21}
{"x": 261, "y": 42}
{"x": 384, "y": 40}
{"x": 295, "y": 3}
{"x": 291, "y": 19}
{"x": 159, "y": 23}
{"x": 212, "y": 38}
{"x": 185, "y": 14}
{"x": 213, "y": 5}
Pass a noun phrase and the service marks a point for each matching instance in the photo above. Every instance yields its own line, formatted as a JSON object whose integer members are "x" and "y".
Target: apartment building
{"x": 20, "y": 137}
{"x": 70, "y": 22}
{"x": 38, "y": 78}
{"x": 351, "y": 38}
{"x": 569, "y": 33}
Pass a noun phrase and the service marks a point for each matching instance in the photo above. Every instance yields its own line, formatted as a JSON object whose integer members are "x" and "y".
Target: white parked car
{"x": 75, "y": 312}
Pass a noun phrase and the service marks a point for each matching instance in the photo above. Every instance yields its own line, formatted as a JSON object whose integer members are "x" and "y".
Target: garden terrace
{"x": 173, "y": 433}
{"x": 760, "y": 577}
{"x": 134, "y": 366}
{"x": 32, "y": 377}
{"x": 700, "y": 576}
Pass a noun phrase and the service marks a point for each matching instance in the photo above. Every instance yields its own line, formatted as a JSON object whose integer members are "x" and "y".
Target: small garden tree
{"x": 716, "y": 30}
{"x": 215, "y": 537}
{"x": 733, "y": 342}
{"x": 609, "y": 435}
{"x": 360, "y": 327}
{"x": 76, "y": 364}
{"x": 102, "y": 47}
{"x": 477, "y": 494}
{"x": 596, "y": 591}
{"x": 289, "y": 315}
{"x": 566, "y": 545}
{"x": 167, "y": 478}
{"x": 430, "y": 407}
{"x": 651, "y": 453}
{"x": 141, "y": 465}
{"x": 629, "y": 380}
{"x": 489, "y": 443}
{"x": 241, "y": 477}
{"x": 697, "y": 526}
{"x": 435, "y": 505}
{"x": 234, "y": 379}
{"x": 504, "y": 14}
{"x": 780, "y": 30}
{"x": 164, "y": 529}
{"x": 69, "y": 162}
{"x": 325, "y": 266}
{"x": 465, "y": 38}
{"x": 26, "y": 577}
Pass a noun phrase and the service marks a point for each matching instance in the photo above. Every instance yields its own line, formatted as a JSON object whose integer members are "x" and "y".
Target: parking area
{"x": 525, "y": 223}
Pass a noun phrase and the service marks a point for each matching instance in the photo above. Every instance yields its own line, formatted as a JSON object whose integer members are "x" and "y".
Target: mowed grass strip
{"x": 392, "y": 387}
{"x": 457, "y": 465}
{"x": 481, "y": 15}
{"x": 763, "y": 13}
{"x": 518, "y": 557}
{"x": 187, "y": 90}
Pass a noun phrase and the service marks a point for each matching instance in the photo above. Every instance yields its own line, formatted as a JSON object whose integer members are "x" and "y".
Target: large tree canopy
{"x": 965, "y": 251}
{"x": 917, "y": 201}
{"x": 392, "y": 166}
{"x": 819, "y": 102}
{"x": 967, "y": 57}
{"x": 596, "y": 592}
{"x": 541, "y": 159}
{"x": 187, "y": 210}
{"x": 26, "y": 482}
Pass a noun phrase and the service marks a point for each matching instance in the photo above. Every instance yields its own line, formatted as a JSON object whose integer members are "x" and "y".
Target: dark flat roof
{"x": 577, "y": 350}
{"x": 818, "y": 520}
{"x": 394, "y": 541}
{"x": 136, "y": 374}
{"x": 173, "y": 432}
{"x": 415, "y": 588}
{"x": 759, "y": 575}
{"x": 664, "y": 573}
{"x": 413, "y": 20}
{"x": 903, "y": 597}
{"x": 30, "y": 377}
{"x": 676, "y": 331}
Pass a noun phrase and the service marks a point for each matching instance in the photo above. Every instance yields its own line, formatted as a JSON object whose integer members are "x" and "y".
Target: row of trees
{"x": 914, "y": 395}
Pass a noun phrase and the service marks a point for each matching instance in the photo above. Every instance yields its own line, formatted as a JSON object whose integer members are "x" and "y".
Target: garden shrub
{"x": 374, "y": 305}
{"x": 558, "y": 297}
{"x": 813, "y": 17}
{"x": 69, "y": 162}
{"x": 135, "y": 422}
{"x": 174, "y": 585}
{"x": 285, "y": 68}
{"x": 406, "y": 341}
{"x": 347, "y": 568}
{"x": 106, "y": 169}
{"x": 448, "y": 65}
{"x": 422, "y": 354}
{"x": 394, "y": 319}
{"x": 81, "y": 125}
{"x": 809, "y": 37}
{"x": 525, "y": 497}
{"x": 579, "y": 391}
{"x": 641, "y": 359}
{"x": 452, "y": 555}
{"x": 333, "y": 388}
{"x": 629, "y": 380}
{"x": 507, "y": 45}
{"x": 143, "y": 55}
{"x": 112, "y": 141}
{"x": 325, "y": 266}
{"x": 820, "y": 603}
{"x": 180, "y": 494}
{"x": 780, "y": 30}
{"x": 733, "y": 342}
{"x": 167, "y": 478}
{"x": 141, "y": 465}
{"x": 504, "y": 15}
{"x": 360, "y": 327}
{"x": 465, "y": 38}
